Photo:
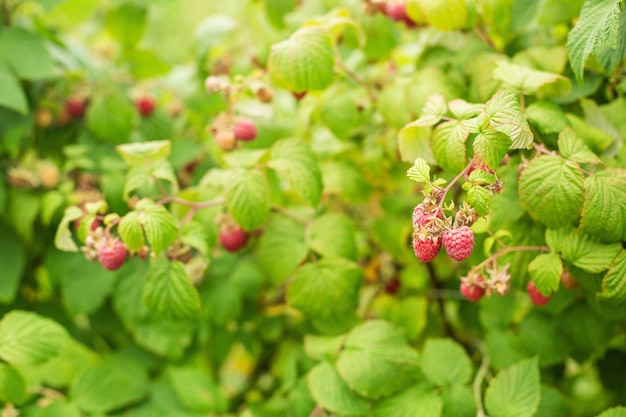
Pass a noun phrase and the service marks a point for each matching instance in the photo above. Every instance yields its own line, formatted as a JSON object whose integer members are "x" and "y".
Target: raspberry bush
{"x": 239, "y": 208}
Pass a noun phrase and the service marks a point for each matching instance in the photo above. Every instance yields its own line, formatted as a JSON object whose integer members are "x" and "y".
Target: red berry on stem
{"x": 145, "y": 105}
{"x": 536, "y": 296}
{"x": 112, "y": 254}
{"x": 232, "y": 237}
{"x": 426, "y": 250}
{"x": 459, "y": 243}
{"x": 472, "y": 292}
{"x": 225, "y": 139}
{"x": 245, "y": 130}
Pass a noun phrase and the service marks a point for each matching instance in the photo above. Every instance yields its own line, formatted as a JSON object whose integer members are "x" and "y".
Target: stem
{"x": 289, "y": 214}
{"x": 317, "y": 411}
{"x": 478, "y": 382}
{"x": 454, "y": 181}
{"x": 370, "y": 92}
{"x": 484, "y": 36}
{"x": 510, "y": 249}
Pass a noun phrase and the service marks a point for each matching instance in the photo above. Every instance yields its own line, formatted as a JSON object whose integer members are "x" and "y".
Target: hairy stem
{"x": 454, "y": 181}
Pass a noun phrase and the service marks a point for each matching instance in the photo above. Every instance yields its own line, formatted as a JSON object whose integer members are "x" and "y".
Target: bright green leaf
{"x": 551, "y": 190}
{"x": 303, "y": 62}
{"x": 523, "y": 80}
{"x": 281, "y": 248}
{"x": 614, "y": 282}
{"x": 458, "y": 401}
{"x": 29, "y": 339}
{"x": 420, "y": 171}
{"x": 144, "y": 153}
{"x": 491, "y": 146}
{"x": 111, "y": 117}
{"x": 159, "y": 225}
{"x": 505, "y": 115}
{"x": 144, "y": 64}
{"x": 432, "y": 112}
{"x": 444, "y": 14}
{"x": 127, "y": 23}
{"x": 604, "y": 210}
{"x": 12, "y": 385}
{"x": 247, "y": 197}
{"x": 333, "y": 235}
{"x": 26, "y": 54}
{"x": 448, "y": 145}
{"x": 514, "y": 392}
{"x": 296, "y": 164}
{"x": 197, "y": 390}
{"x": 588, "y": 253}
{"x": 614, "y": 412}
{"x": 327, "y": 292}
{"x": 575, "y": 149}
{"x": 595, "y": 31}
{"x": 415, "y": 401}
{"x": 169, "y": 291}
{"x": 376, "y": 360}
{"x": 414, "y": 142}
{"x": 131, "y": 231}
{"x": 63, "y": 237}
{"x": 332, "y": 393}
{"x": 545, "y": 270}
{"x": 445, "y": 362}
{"x": 12, "y": 96}
{"x": 480, "y": 199}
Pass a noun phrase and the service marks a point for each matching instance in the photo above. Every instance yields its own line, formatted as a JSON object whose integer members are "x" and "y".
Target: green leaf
{"x": 295, "y": 162}
{"x": 445, "y": 14}
{"x": 596, "y": 30}
{"x": 332, "y": 393}
{"x": 144, "y": 153}
{"x": 547, "y": 118}
{"x": 26, "y": 54}
{"x": 12, "y": 385}
{"x": 444, "y": 362}
{"x": 505, "y": 115}
{"x": 29, "y": 339}
{"x": 597, "y": 139}
{"x": 414, "y": 142}
{"x": 523, "y": 80}
{"x": 282, "y": 247}
{"x": 160, "y": 226}
{"x": 420, "y": 171}
{"x": 196, "y": 235}
{"x": 275, "y": 10}
{"x": 614, "y": 412}
{"x": 461, "y": 109}
{"x": 545, "y": 270}
{"x": 63, "y": 237}
{"x": 415, "y": 401}
{"x": 13, "y": 258}
{"x": 127, "y": 23}
{"x": 433, "y": 111}
{"x": 376, "y": 360}
{"x": 575, "y": 149}
{"x": 515, "y": 391}
{"x": 480, "y": 199}
{"x": 614, "y": 282}
{"x": 111, "y": 117}
{"x": 588, "y": 253}
{"x": 448, "y": 145}
{"x": 131, "y": 231}
{"x": 604, "y": 210}
{"x": 303, "y": 62}
{"x": 339, "y": 112}
{"x": 144, "y": 64}
{"x": 169, "y": 292}
{"x": 333, "y": 235}
{"x": 491, "y": 146}
{"x": 327, "y": 292}
{"x": 196, "y": 390}
{"x": 12, "y": 96}
{"x": 551, "y": 190}
{"x": 458, "y": 401}
{"x": 247, "y": 197}
{"x": 107, "y": 385}
{"x": 320, "y": 347}
{"x": 587, "y": 332}
{"x": 61, "y": 370}
{"x": 552, "y": 403}
{"x": 540, "y": 337}
{"x": 612, "y": 56}
{"x": 60, "y": 408}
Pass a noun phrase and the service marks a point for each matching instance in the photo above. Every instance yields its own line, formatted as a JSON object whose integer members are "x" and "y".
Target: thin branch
{"x": 478, "y": 382}
{"x": 454, "y": 181}
{"x": 510, "y": 249}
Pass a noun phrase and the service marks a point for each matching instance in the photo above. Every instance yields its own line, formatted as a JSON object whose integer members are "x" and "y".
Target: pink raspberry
{"x": 459, "y": 242}
{"x": 536, "y": 296}
{"x": 472, "y": 292}
{"x": 232, "y": 237}
{"x": 426, "y": 250}
{"x": 396, "y": 11}
{"x": 245, "y": 130}
{"x": 420, "y": 217}
{"x": 112, "y": 254}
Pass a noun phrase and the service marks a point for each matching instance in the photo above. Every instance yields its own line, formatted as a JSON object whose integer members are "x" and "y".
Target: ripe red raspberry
{"x": 112, "y": 254}
{"x": 459, "y": 242}
{"x": 232, "y": 237}
{"x": 426, "y": 250}
{"x": 245, "y": 130}
{"x": 145, "y": 105}
{"x": 536, "y": 297}
{"x": 396, "y": 11}
{"x": 472, "y": 292}
{"x": 75, "y": 107}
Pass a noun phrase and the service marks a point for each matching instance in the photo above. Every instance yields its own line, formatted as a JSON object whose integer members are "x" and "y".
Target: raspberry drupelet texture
{"x": 245, "y": 130}
{"x": 112, "y": 254}
{"x": 536, "y": 297}
{"x": 459, "y": 242}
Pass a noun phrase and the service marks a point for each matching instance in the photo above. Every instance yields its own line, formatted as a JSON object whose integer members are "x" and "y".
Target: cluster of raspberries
{"x": 430, "y": 232}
